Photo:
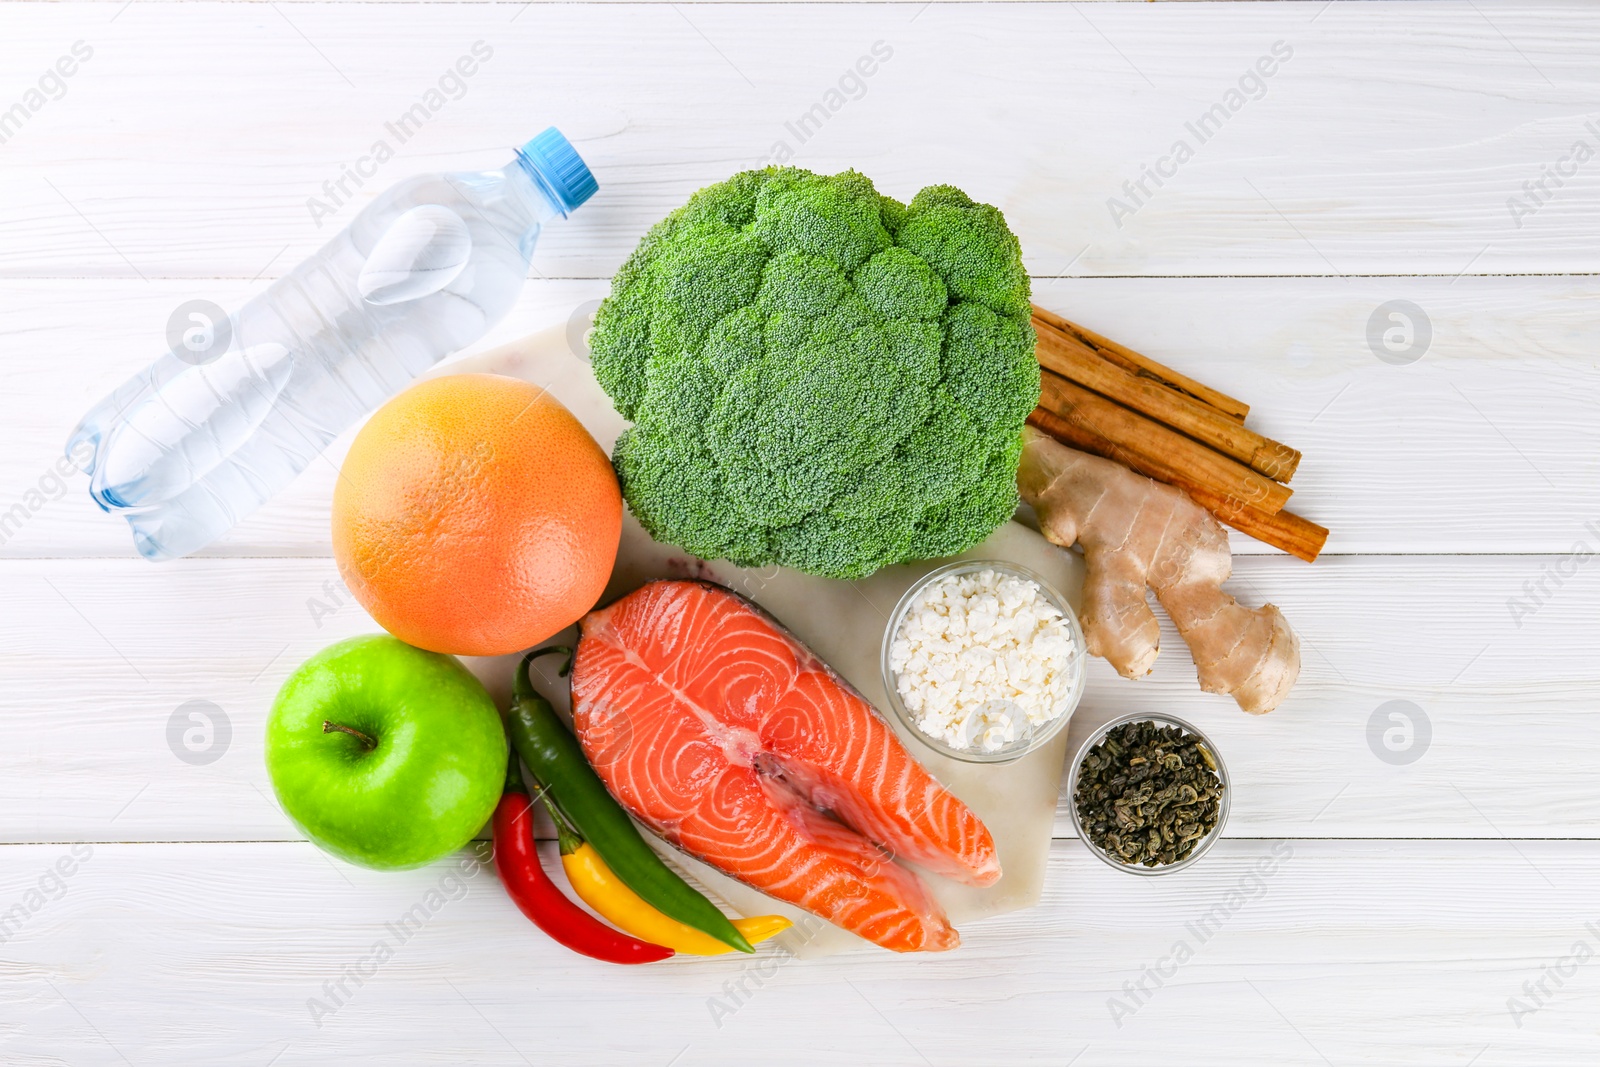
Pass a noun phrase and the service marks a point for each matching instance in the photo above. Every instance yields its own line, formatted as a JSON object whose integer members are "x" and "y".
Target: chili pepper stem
{"x": 522, "y": 686}
{"x": 568, "y": 839}
{"x": 514, "y": 775}
{"x": 368, "y": 742}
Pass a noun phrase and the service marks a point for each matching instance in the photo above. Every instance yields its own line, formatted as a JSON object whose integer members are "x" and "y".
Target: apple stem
{"x": 329, "y": 727}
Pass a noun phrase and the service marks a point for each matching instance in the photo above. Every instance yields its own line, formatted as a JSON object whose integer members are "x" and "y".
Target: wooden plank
{"x": 1331, "y": 165}
{"x": 100, "y": 656}
{"x": 1344, "y": 952}
{"x": 1488, "y": 443}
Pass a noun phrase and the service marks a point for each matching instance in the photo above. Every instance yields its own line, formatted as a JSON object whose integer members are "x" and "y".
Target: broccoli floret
{"x": 819, "y": 376}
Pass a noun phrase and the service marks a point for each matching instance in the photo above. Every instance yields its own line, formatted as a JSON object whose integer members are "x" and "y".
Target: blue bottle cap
{"x": 559, "y": 164}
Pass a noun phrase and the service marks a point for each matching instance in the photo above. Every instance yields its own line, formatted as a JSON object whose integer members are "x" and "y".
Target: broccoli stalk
{"x": 819, "y": 376}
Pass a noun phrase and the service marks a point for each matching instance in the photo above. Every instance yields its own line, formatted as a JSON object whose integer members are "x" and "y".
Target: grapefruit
{"x": 474, "y": 515}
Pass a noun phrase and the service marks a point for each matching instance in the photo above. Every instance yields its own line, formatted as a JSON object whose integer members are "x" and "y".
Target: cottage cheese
{"x": 983, "y": 659}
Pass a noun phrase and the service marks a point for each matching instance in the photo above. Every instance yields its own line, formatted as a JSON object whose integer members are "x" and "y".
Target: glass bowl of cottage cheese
{"x": 983, "y": 660}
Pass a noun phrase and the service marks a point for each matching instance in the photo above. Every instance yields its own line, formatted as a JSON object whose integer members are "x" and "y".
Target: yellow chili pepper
{"x": 603, "y": 891}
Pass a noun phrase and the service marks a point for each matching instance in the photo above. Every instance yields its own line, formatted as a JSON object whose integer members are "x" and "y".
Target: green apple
{"x": 386, "y": 755}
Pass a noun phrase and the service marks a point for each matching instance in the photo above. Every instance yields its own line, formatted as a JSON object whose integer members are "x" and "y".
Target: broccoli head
{"x": 819, "y": 376}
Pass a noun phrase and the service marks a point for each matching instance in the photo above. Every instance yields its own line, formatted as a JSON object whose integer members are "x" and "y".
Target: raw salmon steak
{"x": 728, "y": 737}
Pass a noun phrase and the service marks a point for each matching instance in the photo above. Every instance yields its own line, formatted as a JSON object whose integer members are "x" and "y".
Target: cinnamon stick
{"x": 1283, "y": 530}
{"x": 1135, "y": 363}
{"x": 1065, "y": 354}
{"x": 1185, "y": 462}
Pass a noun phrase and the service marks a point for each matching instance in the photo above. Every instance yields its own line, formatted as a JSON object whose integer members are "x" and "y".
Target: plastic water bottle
{"x": 238, "y": 407}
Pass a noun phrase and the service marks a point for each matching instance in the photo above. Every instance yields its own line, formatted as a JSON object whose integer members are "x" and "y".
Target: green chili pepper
{"x": 555, "y": 758}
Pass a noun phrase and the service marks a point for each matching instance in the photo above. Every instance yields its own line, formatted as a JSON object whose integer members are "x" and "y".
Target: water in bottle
{"x": 214, "y": 428}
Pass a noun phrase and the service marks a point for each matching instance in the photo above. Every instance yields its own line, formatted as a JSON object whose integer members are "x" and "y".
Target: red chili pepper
{"x": 540, "y": 899}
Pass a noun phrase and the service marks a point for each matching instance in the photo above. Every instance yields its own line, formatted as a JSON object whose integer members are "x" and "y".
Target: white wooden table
{"x": 1433, "y": 905}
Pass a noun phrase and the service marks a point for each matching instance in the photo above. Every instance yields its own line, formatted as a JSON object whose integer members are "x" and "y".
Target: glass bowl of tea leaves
{"x": 1149, "y": 794}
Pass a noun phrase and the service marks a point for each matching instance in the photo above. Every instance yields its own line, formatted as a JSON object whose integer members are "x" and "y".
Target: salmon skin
{"x": 719, "y": 730}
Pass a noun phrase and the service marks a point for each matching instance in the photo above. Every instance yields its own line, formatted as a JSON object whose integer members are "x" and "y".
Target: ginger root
{"x": 1136, "y": 534}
